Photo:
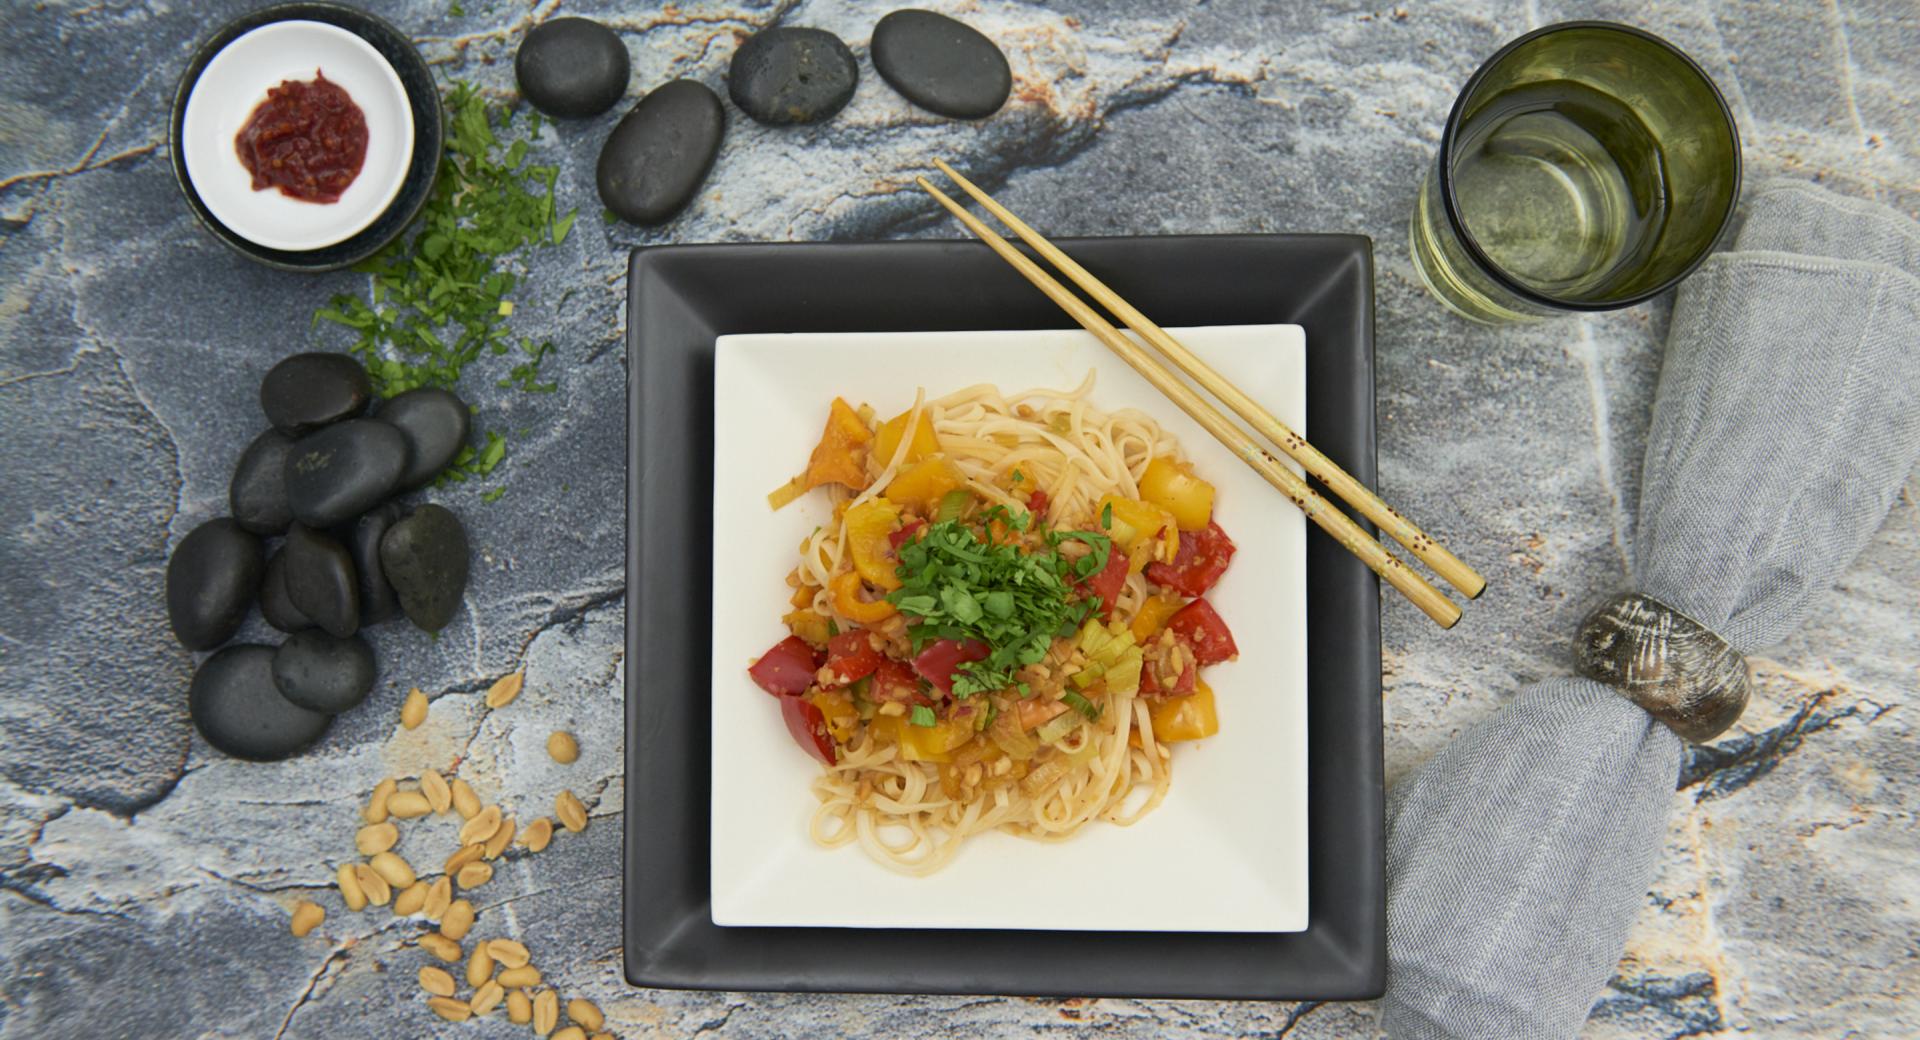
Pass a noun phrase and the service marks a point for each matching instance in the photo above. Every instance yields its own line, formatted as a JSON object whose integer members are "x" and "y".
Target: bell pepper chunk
{"x": 847, "y": 599}
{"x": 840, "y": 457}
{"x": 786, "y": 669}
{"x": 923, "y": 445}
{"x": 1172, "y": 486}
{"x": 1185, "y": 718}
{"x": 923, "y": 484}
{"x": 1153, "y": 615}
{"x": 869, "y": 526}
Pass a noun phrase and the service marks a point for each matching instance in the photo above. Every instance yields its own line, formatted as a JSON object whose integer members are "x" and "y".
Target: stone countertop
{"x": 145, "y": 880}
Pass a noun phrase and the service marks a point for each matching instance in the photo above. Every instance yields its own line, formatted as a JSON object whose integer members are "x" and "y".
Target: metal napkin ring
{"x": 1676, "y": 668}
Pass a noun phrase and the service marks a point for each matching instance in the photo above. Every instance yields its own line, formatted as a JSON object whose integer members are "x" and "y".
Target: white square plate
{"x": 1231, "y": 837}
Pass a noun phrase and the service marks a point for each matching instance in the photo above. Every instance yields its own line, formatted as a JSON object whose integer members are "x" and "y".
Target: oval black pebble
{"x": 308, "y": 391}
{"x": 321, "y": 582}
{"x": 425, "y": 556}
{"x": 237, "y": 707}
{"x": 787, "y": 75}
{"x": 344, "y": 470}
{"x": 941, "y": 65}
{"x": 211, "y": 581}
{"x": 660, "y": 153}
{"x": 435, "y": 424}
{"x": 258, "y": 494}
{"x": 572, "y": 67}
{"x": 275, "y": 605}
{"x": 378, "y": 601}
{"x": 320, "y": 673}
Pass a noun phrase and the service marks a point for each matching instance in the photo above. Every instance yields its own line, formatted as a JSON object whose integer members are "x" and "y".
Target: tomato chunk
{"x": 850, "y": 656}
{"x": 1037, "y": 504}
{"x": 943, "y": 657}
{"x": 809, "y": 728}
{"x": 894, "y": 681}
{"x": 1109, "y": 581}
{"x": 785, "y": 670}
{"x": 1204, "y": 630}
{"x": 1200, "y": 560}
{"x": 905, "y": 534}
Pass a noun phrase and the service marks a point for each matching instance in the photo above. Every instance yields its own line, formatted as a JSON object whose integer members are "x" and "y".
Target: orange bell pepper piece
{"x": 839, "y": 458}
{"x": 922, "y": 485}
{"x": 868, "y": 525}
{"x": 1185, "y": 718}
{"x": 1153, "y": 616}
{"x": 846, "y": 599}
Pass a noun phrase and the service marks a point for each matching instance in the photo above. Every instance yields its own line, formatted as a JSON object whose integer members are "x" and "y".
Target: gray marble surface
{"x": 145, "y": 880}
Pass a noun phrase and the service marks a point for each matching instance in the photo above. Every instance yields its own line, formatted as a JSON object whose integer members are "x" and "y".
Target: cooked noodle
{"x": 897, "y": 810}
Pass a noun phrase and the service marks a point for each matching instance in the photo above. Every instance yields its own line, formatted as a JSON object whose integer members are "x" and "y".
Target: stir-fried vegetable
{"x": 812, "y": 627}
{"x": 848, "y": 600}
{"x": 809, "y": 728}
{"x": 1132, "y": 522}
{"x": 868, "y": 526}
{"x": 786, "y": 669}
{"x": 1153, "y": 615}
{"x": 1112, "y": 657}
{"x": 850, "y": 656}
{"x": 1202, "y": 557}
{"x": 923, "y": 484}
{"x": 1204, "y": 630}
{"x": 923, "y": 445}
{"x": 1185, "y": 718}
{"x": 1173, "y": 487}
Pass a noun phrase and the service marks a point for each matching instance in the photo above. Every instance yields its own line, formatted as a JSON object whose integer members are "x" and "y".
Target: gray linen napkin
{"x": 1786, "y": 419}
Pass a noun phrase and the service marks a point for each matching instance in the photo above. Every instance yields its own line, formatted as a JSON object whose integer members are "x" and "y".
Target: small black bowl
{"x": 428, "y": 134}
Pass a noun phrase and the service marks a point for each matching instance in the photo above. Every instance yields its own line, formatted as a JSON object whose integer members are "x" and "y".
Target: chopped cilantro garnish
{"x": 923, "y": 716}
{"x": 1018, "y": 476}
{"x": 1106, "y": 517}
{"x": 957, "y": 585}
{"x": 439, "y": 298}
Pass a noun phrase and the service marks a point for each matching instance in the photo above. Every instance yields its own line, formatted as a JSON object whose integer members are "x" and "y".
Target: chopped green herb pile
{"x": 955, "y": 584}
{"x": 439, "y": 298}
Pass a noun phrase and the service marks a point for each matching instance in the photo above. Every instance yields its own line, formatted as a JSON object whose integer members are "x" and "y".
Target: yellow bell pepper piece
{"x": 1153, "y": 616}
{"x": 923, "y": 445}
{"x": 922, "y": 485}
{"x": 837, "y": 707}
{"x": 810, "y": 626}
{"x": 1185, "y": 718}
{"x": 846, "y": 599}
{"x": 1173, "y": 487}
{"x": 868, "y": 525}
{"x": 1136, "y": 522}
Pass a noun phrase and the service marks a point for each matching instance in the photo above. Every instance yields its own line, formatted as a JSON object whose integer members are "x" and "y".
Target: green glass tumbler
{"x": 1586, "y": 166}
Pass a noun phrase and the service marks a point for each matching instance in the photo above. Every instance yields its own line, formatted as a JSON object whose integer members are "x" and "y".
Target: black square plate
{"x": 679, "y": 299}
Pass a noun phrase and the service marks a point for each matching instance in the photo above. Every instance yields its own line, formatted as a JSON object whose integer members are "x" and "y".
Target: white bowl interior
{"x": 236, "y": 81}
{"x": 1231, "y": 837}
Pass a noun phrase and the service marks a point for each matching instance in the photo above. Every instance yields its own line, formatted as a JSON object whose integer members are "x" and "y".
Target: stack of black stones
{"x": 660, "y": 153}
{"x": 324, "y": 478}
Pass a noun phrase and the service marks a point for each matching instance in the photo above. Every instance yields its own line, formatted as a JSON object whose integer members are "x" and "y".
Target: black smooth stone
{"x": 320, "y": 673}
{"x": 425, "y": 556}
{"x": 787, "y": 75}
{"x": 258, "y": 494}
{"x": 378, "y": 601}
{"x": 308, "y": 391}
{"x": 572, "y": 67}
{"x": 941, "y": 65}
{"x": 321, "y": 582}
{"x": 660, "y": 153}
{"x": 275, "y": 605}
{"x": 435, "y": 424}
{"x": 344, "y": 470}
{"x": 211, "y": 581}
{"x": 237, "y": 707}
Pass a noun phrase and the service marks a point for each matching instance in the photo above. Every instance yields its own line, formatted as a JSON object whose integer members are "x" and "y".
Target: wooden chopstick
{"x": 1331, "y": 520}
{"x": 1448, "y": 566}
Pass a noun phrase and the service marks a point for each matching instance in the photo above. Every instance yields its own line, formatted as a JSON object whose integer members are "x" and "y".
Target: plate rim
{"x": 671, "y": 942}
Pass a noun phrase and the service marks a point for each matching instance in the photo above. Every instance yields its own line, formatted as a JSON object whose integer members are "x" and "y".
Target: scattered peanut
{"x": 350, "y": 891}
{"x": 520, "y": 977}
{"x": 434, "y": 786}
{"x": 537, "y": 834}
{"x": 379, "y": 893}
{"x": 505, "y": 689}
{"x": 502, "y": 837}
{"x": 546, "y": 1012}
{"x": 439, "y": 897}
{"x": 571, "y": 1033}
{"x": 440, "y": 946}
{"x": 306, "y": 917}
{"x": 474, "y": 874}
{"x": 413, "y": 711}
{"x": 436, "y": 982}
{"x": 449, "y": 1008}
{"x": 509, "y": 953}
{"x": 465, "y": 802}
{"x": 487, "y": 997}
{"x": 391, "y": 867}
{"x": 481, "y": 826}
{"x": 408, "y": 805}
{"x": 564, "y": 749}
{"x": 376, "y": 811}
{"x": 573, "y": 814}
{"x": 464, "y": 855}
{"x": 585, "y": 1012}
{"x": 376, "y": 837}
{"x": 458, "y": 920}
{"x": 411, "y": 901}
{"x": 519, "y": 1008}
{"x": 479, "y": 966}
